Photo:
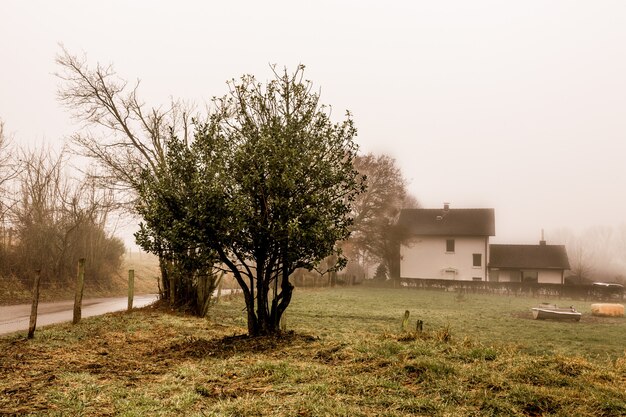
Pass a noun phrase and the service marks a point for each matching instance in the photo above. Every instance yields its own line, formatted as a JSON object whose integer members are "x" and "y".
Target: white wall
{"x": 548, "y": 276}
{"x": 544, "y": 276}
{"x": 504, "y": 275}
{"x": 426, "y": 257}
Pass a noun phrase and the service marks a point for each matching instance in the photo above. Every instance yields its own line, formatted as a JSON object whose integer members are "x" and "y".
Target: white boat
{"x": 552, "y": 312}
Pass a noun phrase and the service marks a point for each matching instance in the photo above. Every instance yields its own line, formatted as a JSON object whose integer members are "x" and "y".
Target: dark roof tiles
{"x": 528, "y": 256}
{"x": 451, "y": 222}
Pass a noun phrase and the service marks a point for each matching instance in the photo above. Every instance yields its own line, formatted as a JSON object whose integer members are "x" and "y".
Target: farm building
{"x": 453, "y": 244}
{"x": 542, "y": 264}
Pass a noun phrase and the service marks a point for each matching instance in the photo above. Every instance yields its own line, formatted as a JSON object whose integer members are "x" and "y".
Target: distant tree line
{"x": 597, "y": 253}
{"x": 48, "y": 220}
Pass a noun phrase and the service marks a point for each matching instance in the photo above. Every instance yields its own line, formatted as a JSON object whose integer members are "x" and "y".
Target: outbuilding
{"x": 542, "y": 264}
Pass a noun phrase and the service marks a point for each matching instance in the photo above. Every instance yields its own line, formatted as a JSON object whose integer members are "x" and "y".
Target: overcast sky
{"x": 519, "y": 106}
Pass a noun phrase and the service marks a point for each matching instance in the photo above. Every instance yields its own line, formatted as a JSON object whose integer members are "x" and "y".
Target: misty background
{"x": 516, "y": 106}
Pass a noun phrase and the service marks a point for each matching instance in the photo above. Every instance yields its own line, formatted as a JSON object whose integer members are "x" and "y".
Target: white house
{"x": 446, "y": 243}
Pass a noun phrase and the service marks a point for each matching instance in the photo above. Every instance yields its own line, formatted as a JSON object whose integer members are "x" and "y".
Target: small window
{"x": 449, "y": 245}
{"x": 478, "y": 259}
{"x": 477, "y": 279}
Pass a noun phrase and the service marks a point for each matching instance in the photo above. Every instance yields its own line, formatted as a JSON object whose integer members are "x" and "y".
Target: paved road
{"x": 16, "y": 318}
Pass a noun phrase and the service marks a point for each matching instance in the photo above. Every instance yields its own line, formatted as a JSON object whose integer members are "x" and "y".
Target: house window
{"x": 477, "y": 279}
{"x": 450, "y": 245}
{"x": 530, "y": 277}
{"x": 478, "y": 259}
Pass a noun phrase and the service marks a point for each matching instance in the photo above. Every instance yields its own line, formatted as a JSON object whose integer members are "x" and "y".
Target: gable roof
{"x": 450, "y": 222}
{"x": 528, "y": 256}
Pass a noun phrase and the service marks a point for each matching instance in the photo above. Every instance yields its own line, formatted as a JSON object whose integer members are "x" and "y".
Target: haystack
{"x": 607, "y": 310}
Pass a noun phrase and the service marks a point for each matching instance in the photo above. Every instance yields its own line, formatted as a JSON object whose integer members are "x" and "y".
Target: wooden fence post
{"x": 80, "y": 285}
{"x": 131, "y": 288}
{"x": 419, "y": 326}
{"x": 405, "y": 320}
{"x": 33, "y": 309}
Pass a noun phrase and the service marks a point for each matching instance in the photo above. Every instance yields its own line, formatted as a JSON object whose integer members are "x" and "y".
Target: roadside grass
{"x": 344, "y": 355}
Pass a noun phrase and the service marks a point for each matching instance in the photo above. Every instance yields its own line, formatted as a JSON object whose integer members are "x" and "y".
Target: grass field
{"x": 345, "y": 355}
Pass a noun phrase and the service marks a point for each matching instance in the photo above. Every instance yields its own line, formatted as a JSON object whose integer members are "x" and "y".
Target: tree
{"x": 270, "y": 181}
{"x": 59, "y": 219}
{"x": 7, "y": 173}
{"x": 593, "y": 254}
{"x": 169, "y": 229}
{"x": 375, "y": 239}
{"x": 122, "y": 134}
{"x": 131, "y": 137}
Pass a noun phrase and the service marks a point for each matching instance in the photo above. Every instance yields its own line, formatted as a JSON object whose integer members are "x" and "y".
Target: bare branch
{"x": 131, "y": 137}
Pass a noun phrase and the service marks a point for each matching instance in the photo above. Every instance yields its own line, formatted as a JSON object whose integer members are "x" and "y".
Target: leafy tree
{"x": 167, "y": 207}
{"x": 271, "y": 182}
{"x": 375, "y": 239}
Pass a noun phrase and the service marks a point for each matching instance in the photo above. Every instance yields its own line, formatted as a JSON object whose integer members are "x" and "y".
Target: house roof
{"x": 450, "y": 222}
{"x": 528, "y": 256}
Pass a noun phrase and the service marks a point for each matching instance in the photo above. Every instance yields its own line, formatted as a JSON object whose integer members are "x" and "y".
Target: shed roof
{"x": 528, "y": 256}
{"x": 450, "y": 222}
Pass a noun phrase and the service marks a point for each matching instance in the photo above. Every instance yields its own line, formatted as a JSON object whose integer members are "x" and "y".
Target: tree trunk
{"x": 171, "y": 278}
{"x": 165, "y": 282}
{"x": 253, "y": 324}
{"x": 204, "y": 292}
{"x": 220, "y": 283}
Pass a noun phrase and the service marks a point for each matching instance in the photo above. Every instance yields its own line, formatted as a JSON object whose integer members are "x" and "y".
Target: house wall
{"x": 544, "y": 276}
{"x": 426, "y": 257}
{"x": 550, "y": 276}
{"x": 505, "y": 275}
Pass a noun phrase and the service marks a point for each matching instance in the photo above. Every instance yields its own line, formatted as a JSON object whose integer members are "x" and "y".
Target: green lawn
{"x": 345, "y": 355}
{"x": 490, "y": 319}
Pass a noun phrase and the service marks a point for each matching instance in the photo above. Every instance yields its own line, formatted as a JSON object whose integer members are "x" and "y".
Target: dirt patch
{"x": 225, "y": 347}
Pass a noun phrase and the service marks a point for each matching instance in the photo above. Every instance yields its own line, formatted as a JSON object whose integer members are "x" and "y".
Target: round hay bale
{"x": 607, "y": 310}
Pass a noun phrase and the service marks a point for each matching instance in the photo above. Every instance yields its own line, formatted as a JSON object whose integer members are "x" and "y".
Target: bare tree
{"x": 7, "y": 173}
{"x": 374, "y": 238}
{"x": 121, "y": 133}
{"x": 59, "y": 220}
{"x": 594, "y": 254}
{"x": 579, "y": 254}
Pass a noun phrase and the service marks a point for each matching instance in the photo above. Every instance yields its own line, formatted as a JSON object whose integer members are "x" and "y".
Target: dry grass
{"x": 146, "y": 267}
{"x": 345, "y": 358}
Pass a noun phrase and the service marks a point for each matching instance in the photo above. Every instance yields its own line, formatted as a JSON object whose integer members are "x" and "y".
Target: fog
{"x": 517, "y": 106}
